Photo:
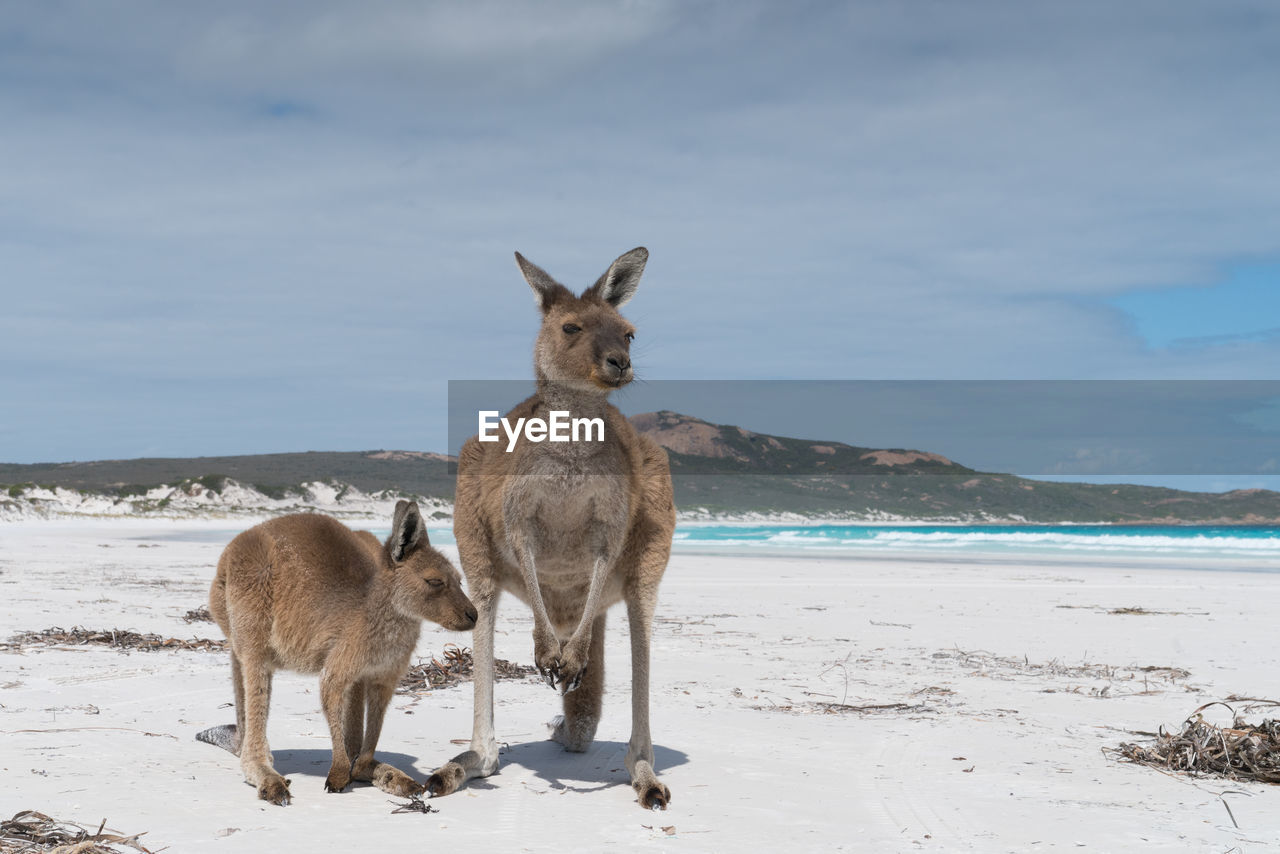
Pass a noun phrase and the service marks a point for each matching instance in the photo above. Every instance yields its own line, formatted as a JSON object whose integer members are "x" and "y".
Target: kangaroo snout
{"x": 469, "y": 618}
{"x": 616, "y": 368}
{"x": 462, "y": 617}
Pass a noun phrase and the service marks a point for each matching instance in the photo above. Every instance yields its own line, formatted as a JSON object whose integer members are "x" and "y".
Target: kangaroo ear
{"x": 408, "y": 531}
{"x": 618, "y": 284}
{"x": 546, "y": 290}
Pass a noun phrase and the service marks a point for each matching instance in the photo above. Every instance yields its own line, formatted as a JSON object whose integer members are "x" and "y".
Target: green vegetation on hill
{"x": 275, "y": 475}
{"x": 970, "y": 497}
{"x": 724, "y": 469}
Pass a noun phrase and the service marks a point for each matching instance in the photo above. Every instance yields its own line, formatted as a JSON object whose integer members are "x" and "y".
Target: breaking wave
{"x": 1252, "y": 542}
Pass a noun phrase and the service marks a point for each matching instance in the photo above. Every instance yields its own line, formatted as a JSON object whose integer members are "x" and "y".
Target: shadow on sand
{"x": 315, "y": 763}
{"x": 600, "y": 767}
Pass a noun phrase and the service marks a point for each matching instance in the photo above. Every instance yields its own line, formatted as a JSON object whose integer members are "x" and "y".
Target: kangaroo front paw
{"x": 653, "y": 796}
{"x": 546, "y": 657}
{"x": 275, "y": 790}
{"x": 561, "y": 663}
{"x": 573, "y": 666}
{"x": 446, "y": 780}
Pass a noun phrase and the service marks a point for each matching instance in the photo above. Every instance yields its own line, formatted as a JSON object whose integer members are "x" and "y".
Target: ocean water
{"x": 1259, "y": 546}
{"x": 1255, "y": 544}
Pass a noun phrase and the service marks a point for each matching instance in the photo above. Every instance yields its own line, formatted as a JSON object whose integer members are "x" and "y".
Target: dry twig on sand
{"x": 455, "y": 668}
{"x": 121, "y": 639}
{"x": 31, "y": 831}
{"x": 1241, "y": 751}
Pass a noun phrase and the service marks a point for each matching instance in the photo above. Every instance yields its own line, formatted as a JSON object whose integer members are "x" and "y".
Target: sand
{"x": 910, "y": 703}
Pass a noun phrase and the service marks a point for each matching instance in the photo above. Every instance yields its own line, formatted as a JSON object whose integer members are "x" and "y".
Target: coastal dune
{"x": 890, "y": 702}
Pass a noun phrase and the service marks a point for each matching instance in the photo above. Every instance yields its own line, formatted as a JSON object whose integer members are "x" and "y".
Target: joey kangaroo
{"x": 306, "y": 593}
{"x": 569, "y": 528}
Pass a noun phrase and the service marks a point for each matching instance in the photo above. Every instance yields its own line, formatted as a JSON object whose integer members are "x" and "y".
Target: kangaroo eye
{"x": 630, "y": 336}
{"x": 571, "y": 329}
{"x": 435, "y": 582}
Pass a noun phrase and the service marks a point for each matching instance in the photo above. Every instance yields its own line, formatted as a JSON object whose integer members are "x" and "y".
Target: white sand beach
{"x": 999, "y": 684}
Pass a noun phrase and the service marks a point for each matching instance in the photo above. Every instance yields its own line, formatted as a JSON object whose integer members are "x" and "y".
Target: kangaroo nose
{"x": 472, "y": 615}
{"x": 619, "y": 361}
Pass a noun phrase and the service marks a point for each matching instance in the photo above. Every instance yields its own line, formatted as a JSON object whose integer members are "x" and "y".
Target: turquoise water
{"x": 1252, "y": 543}
{"x": 1257, "y": 545}
{"x": 1246, "y": 543}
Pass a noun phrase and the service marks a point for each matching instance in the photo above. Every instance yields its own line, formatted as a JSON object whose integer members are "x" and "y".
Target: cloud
{"x": 331, "y": 48}
{"x": 827, "y": 190}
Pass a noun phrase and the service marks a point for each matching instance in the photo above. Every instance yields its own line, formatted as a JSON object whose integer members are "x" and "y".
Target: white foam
{"x": 195, "y": 500}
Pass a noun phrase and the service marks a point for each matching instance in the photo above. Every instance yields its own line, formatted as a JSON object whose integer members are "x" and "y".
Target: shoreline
{"x": 375, "y": 509}
{"x": 1029, "y": 559}
{"x": 221, "y": 529}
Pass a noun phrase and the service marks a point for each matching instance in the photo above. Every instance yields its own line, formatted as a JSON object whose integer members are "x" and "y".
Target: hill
{"x": 719, "y": 470}
{"x": 728, "y": 470}
{"x": 276, "y": 475}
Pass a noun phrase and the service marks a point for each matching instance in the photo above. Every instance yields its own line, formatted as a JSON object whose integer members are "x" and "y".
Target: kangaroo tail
{"x": 226, "y": 736}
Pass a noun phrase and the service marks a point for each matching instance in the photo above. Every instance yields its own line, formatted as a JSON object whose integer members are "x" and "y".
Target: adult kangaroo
{"x": 570, "y": 528}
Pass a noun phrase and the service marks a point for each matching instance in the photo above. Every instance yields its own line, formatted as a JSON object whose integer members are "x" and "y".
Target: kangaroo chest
{"x": 566, "y": 522}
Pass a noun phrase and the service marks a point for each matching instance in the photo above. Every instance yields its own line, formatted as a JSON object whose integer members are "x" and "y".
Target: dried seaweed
{"x": 871, "y": 709}
{"x": 827, "y": 708}
{"x": 456, "y": 667}
{"x": 1138, "y": 610}
{"x": 122, "y": 639}
{"x": 31, "y": 831}
{"x": 1151, "y": 678}
{"x": 1241, "y": 751}
{"x": 414, "y": 804}
{"x": 1135, "y": 610}
{"x": 198, "y": 615}
{"x": 452, "y": 667}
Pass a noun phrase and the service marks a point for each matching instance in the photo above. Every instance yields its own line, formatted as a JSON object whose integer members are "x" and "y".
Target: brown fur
{"x": 306, "y": 593}
{"x": 569, "y": 529}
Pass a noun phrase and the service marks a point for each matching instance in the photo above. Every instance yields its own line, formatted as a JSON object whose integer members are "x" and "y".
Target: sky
{"x": 241, "y": 227}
